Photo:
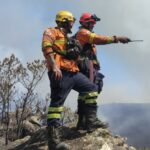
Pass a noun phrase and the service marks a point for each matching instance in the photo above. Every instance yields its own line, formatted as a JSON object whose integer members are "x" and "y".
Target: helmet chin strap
{"x": 65, "y": 25}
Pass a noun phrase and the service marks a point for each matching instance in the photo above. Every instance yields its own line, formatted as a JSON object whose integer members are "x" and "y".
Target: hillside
{"x": 99, "y": 140}
{"x": 128, "y": 125}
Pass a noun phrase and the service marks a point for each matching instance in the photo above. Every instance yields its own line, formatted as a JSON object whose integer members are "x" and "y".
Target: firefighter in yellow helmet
{"x": 62, "y": 54}
{"x": 89, "y": 64}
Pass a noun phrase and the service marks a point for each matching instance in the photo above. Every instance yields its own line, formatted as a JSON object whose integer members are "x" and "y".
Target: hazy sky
{"x": 125, "y": 66}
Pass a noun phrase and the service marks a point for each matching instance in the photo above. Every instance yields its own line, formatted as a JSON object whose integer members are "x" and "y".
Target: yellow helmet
{"x": 64, "y": 15}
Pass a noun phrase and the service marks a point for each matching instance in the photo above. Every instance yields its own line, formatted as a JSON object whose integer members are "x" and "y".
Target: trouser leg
{"x": 59, "y": 92}
{"x": 88, "y": 93}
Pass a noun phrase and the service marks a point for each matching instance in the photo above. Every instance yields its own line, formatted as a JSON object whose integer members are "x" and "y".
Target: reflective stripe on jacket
{"x": 86, "y": 36}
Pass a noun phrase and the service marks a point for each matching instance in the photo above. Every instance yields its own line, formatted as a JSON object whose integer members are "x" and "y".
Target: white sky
{"x": 126, "y": 66}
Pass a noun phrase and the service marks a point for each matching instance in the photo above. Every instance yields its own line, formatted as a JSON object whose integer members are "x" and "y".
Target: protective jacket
{"x": 87, "y": 37}
{"x": 56, "y": 38}
{"x": 90, "y": 65}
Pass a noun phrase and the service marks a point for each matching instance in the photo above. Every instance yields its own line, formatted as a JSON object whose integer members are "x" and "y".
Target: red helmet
{"x": 88, "y": 18}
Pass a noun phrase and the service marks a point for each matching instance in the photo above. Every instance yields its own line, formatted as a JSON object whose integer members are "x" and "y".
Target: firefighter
{"x": 62, "y": 54}
{"x": 88, "y": 63}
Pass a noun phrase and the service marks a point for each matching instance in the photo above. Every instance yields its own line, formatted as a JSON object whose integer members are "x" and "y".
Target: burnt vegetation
{"x": 18, "y": 97}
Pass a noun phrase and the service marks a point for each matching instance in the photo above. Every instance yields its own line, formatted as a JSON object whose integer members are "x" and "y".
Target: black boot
{"x": 81, "y": 122}
{"x": 81, "y": 116}
{"x": 54, "y": 135}
{"x": 92, "y": 122}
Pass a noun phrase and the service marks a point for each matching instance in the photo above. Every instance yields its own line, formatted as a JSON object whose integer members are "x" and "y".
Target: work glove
{"x": 123, "y": 39}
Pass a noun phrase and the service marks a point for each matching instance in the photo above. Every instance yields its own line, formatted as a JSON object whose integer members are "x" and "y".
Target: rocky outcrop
{"x": 36, "y": 139}
{"x": 101, "y": 139}
{"x": 31, "y": 125}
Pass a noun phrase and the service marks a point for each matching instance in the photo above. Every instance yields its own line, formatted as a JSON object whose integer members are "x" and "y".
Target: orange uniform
{"x": 85, "y": 36}
{"x": 57, "y": 40}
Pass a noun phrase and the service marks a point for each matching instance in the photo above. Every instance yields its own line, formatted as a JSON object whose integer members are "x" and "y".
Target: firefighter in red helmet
{"x": 89, "y": 64}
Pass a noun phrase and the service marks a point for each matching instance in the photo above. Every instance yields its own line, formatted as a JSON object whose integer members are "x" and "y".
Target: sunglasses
{"x": 95, "y": 17}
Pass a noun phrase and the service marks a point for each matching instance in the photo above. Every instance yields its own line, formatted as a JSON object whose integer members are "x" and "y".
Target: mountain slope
{"x": 101, "y": 139}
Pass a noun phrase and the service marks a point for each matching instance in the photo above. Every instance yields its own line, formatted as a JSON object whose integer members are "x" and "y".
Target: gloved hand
{"x": 123, "y": 39}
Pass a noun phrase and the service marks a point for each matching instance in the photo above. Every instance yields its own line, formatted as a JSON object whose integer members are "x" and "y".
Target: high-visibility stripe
{"x": 46, "y": 44}
{"x": 63, "y": 53}
{"x": 88, "y": 95}
{"x": 92, "y": 35}
{"x": 53, "y": 116}
{"x": 110, "y": 39}
{"x": 90, "y": 101}
{"x": 60, "y": 42}
{"x": 91, "y": 94}
{"x": 57, "y": 42}
{"x": 55, "y": 109}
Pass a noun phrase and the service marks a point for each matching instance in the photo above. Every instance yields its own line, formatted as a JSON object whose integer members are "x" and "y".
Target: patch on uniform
{"x": 47, "y": 33}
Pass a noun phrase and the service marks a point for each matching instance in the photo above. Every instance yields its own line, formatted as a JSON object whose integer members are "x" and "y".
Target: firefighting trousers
{"x": 60, "y": 90}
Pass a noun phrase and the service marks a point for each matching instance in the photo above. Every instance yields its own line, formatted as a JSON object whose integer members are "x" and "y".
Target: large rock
{"x": 31, "y": 125}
